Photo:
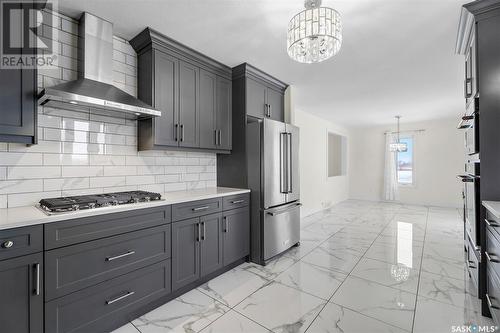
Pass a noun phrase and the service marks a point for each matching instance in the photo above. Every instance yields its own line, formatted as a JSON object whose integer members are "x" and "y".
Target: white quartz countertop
{"x": 493, "y": 207}
{"x": 31, "y": 215}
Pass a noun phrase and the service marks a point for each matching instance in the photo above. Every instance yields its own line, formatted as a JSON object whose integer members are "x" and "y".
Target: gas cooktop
{"x": 74, "y": 203}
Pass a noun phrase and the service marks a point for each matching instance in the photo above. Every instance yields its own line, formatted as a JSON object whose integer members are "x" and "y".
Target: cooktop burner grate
{"x": 73, "y": 203}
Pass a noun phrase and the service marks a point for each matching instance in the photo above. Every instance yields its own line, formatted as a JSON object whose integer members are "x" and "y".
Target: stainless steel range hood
{"x": 95, "y": 88}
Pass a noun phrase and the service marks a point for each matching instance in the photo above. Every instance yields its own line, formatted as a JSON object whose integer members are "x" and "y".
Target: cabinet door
{"x": 275, "y": 101}
{"x": 21, "y": 294}
{"x": 211, "y": 243}
{"x": 224, "y": 113}
{"x": 189, "y": 115}
{"x": 18, "y": 102}
{"x": 185, "y": 252}
{"x": 166, "y": 88}
{"x": 256, "y": 98}
{"x": 236, "y": 231}
{"x": 208, "y": 105}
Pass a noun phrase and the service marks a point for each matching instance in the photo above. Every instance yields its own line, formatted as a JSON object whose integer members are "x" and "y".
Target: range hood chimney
{"x": 94, "y": 87}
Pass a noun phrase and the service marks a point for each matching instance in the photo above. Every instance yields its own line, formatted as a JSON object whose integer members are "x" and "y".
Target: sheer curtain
{"x": 390, "y": 172}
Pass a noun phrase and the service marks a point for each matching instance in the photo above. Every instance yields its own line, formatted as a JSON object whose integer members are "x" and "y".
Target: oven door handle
{"x": 467, "y": 178}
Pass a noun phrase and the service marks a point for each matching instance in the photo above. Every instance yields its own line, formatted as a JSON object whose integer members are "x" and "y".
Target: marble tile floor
{"x": 361, "y": 267}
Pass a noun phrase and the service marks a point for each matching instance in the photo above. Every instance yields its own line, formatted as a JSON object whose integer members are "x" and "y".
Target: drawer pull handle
{"x": 226, "y": 225}
{"x": 492, "y": 223}
{"x": 197, "y": 209}
{"x": 237, "y": 201}
{"x": 490, "y": 304}
{"x": 129, "y": 253}
{"x": 130, "y": 293}
{"x": 37, "y": 279}
{"x": 7, "y": 244}
{"x": 488, "y": 256}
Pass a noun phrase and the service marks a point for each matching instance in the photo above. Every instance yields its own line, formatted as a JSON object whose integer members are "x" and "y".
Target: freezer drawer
{"x": 281, "y": 229}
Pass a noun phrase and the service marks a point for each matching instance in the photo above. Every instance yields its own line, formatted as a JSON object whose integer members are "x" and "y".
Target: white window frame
{"x": 413, "y": 171}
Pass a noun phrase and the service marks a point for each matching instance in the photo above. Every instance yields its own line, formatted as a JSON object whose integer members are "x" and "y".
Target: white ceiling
{"x": 397, "y": 56}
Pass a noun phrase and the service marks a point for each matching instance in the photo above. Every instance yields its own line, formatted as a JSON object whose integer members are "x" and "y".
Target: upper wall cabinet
{"x": 18, "y": 104}
{"x": 192, "y": 91}
{"x": 263, "y": 93}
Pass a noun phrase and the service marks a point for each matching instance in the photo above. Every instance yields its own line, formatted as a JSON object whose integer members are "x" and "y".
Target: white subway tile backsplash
{"x": 57, "y": 184}
{"x": 107, "y": 181}
{"x": 82, "y": 171}
{"x": 88, "y": 152}
{"x": 33, "y": 172}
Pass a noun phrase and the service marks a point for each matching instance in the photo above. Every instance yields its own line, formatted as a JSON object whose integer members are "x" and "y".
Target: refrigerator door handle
{"x": 283, "y": 161}
{"x": 289, "y": 163}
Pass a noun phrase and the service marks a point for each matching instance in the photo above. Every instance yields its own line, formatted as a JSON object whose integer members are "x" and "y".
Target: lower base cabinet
{"x": 106, "y": 306}
{"x": 236, "y": 231}
{"x": 21, "y": 294}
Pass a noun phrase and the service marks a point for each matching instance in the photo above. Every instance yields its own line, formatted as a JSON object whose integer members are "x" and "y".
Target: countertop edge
{"x": 31, "y": 215}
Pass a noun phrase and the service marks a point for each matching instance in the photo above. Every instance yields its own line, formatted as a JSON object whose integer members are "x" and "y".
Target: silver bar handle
{"x": 126, "y": 254}
{"x": 215, "y": 131}
{"x": 220, "y": 137}
{"x": 182, "y": 132}
{"x": 225, "y": 225}
{"x": 237, "y": 201}
{"x": 37, "y": 279}
{"x": 492, "y": 223}
{"x": 204, "y": 230}
{"x": 281, "y": 211}
{"x": 270, "y": 110}
{"x": 197, "y": 232}
{"x": 176, "y": 132}
{"x": 283, "y": 187}
{"x": 197, "y": 209}
{"x": 490, "y": 304}
{"x": 289, "y": 163}
{"x": 128, "y": 294}
{"x": 488, "y": 256}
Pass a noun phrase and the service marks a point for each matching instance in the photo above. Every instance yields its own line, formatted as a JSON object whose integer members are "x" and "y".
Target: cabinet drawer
{"x": 235, "y": 201}
{"x": 192, "y": 209}
{"x": 492, "y": 252}
{"x": 493, "y": 294}
{"x": 86, "y": 229}
{"x": 103, "y": 307}
{"x": 20, "y": 241}
{"x": 493, "y": 223}
{"x": 79, "y": 266}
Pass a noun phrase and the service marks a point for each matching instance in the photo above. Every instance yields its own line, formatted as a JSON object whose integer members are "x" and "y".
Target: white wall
{"x": 439, "y": 157}
{"x": 317, "y": 191}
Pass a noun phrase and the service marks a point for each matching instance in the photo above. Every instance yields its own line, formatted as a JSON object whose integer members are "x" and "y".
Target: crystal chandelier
{"x": 398, "y": 146}
{"x": 314, "y": 34}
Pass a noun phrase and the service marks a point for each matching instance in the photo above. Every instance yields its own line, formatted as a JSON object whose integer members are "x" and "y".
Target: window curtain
{"x": 391, "y": 192}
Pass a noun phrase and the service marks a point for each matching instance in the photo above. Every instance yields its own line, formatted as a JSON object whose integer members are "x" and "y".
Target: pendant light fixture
{"x": 398, "y": 146}
{"x": 314, "y": 34}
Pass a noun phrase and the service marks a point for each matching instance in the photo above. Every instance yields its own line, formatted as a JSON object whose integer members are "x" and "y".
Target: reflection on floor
{"x": 361, "y": 267}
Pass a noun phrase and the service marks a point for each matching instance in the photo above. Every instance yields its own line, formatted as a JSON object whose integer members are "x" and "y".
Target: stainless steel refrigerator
{"x": 273, "y": 177}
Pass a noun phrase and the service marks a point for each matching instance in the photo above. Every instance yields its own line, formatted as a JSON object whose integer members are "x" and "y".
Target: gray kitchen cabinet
{"x": 185, "y": 252}
{"x": 236, "y": 234}
{"x": 208, "y": 106}
{"x": 211, "y": 243}
{"x": 275, "y": 104}
{"x": 192, "y": 91}
{"x": 21, "y": 294}
{"x": 224, "y": 114}
{"x": 256, "y": 98}
{"x": 189, "y": 115}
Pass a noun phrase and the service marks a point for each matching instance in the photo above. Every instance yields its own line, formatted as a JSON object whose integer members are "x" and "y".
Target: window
{"x": 406, "y": 164}
{"x": 337, "y": 151}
